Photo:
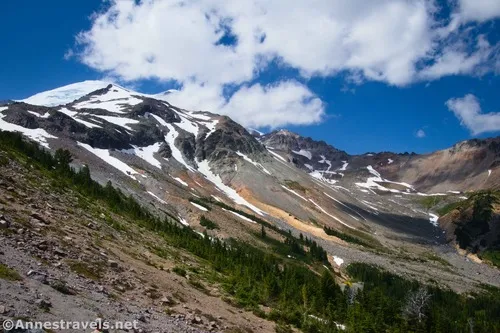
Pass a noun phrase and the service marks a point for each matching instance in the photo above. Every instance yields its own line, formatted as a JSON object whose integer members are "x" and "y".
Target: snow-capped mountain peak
{"x": 66, "y": 94}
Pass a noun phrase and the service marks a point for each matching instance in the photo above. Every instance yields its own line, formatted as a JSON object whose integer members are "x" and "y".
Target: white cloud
{"x": 172, "y": 40}
{"x": 468, "y": 110}
{"x": 420, "y": 134}
{"x": 456, "y": 59}
{"x": 393, "y": 41}
{"x": 479, "y": 10}
{"x": 276, "y": 105}
{"x": 194, "y": 96}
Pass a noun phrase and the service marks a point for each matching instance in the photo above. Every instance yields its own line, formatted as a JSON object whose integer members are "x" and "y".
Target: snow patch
{"x": 114, "y": 106}
{"x": 204, "y": 168}
{"x": 344, "y": 166}
{"x": 257, "y": 165}
{"x": 181, "y": 181}
{"x": 428, "y": 194}
{"x": 433, "y": 219}
{"x": 341, "y": 203}
{"x": 104, "y": 155}
{"x": 72, "y": 114}
{"x": 38, "y": 134}
{"x": 158, "y": 119}
{"x": 157, "y": 198}
{"x": 303, "y": 152}
{"x": 211, "y": 127}
{"x": 342, "y": 188}
{"x": 332, "y": 216}
{"x": 183, "y": 221}
{"x": 277, "y": 156}
{"x": 292, "y": 191}
{"x": 369, "y": 205}
{"x": 339, "y": 261}
{"x": 373, "y": 171}
{"x": 66, "y": 94}
{"x": 324, "y": 160}
{"x": 120, "y": 121}
{"x": 489, "y": 173}
{"x": 239, "y": 215}
{"x": 188, "y": 126}
{"x": 176, "y": 153}
{"x": 373, "y": 183}
{"x": 390, "y": 161}
{"x": 200, "y": 207}
{"x": 146, "y": 153}
{"x": 319, "y": 175}
{"x": 45, "y": 115}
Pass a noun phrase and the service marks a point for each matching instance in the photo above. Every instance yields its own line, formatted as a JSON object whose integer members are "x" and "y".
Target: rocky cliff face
{"x": 468, "y": 165}
{"x": 316, "y": 157}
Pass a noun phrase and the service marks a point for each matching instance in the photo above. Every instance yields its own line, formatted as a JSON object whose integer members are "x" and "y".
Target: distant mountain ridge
{"x": 468, "y": 165}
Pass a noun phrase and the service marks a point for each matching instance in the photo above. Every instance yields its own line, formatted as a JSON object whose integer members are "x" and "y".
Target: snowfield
{"x": 66, "y": 94}
{"x": 120, "y": 121}
{"x": 39, "y": 135}
{"x": 36, "y": 114}
{"x": 146, "y": 153}
{"x": 212, "y": 127}
{"x": 104, "y": 155}
{"x": 176, "y": 153}
{"x": 324, "y": 160}
{"x": 303, "y": 152}
{"x": 73, "y": 114}
{"x": 187, "y": 125}
{"x": 373, "y": 183}
{"x": 114, "y": 100}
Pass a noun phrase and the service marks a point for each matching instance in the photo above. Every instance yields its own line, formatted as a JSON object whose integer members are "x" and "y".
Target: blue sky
{"x": 359, "y": 92}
